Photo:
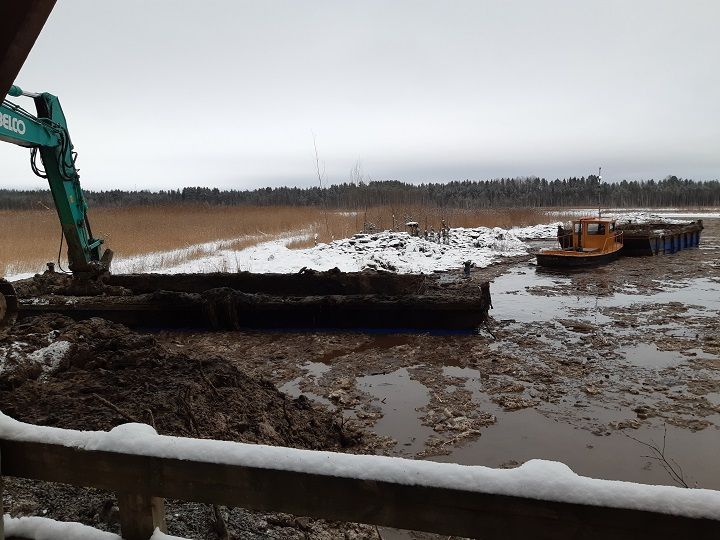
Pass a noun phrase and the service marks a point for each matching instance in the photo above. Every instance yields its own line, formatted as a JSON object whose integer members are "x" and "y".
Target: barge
{"x": 220, "y": 301}
{"x": 660, "y": 238}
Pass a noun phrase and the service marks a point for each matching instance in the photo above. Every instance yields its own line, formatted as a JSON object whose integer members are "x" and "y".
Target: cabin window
{"x": 596, "y": 228}
{"x": 612, "y": 227}
{"x": 576, "y": 227}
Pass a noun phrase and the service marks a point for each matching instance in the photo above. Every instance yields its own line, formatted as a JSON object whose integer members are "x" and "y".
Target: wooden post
{"x": 140, "y": 515}
{"x": 2, "y": 512}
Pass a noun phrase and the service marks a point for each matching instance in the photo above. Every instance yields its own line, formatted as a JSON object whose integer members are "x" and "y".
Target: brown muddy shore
{"x": 592, "y": 368}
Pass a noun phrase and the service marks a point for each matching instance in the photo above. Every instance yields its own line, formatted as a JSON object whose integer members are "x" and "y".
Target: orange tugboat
{"x": 591, "y": 241}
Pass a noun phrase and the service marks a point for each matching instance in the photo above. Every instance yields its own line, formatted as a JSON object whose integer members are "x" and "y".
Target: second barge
{"x": 651, "y": 238}
{"x": 658, "y": 238}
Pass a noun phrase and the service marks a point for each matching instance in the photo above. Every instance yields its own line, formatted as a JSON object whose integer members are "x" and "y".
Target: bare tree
{"x": 671, "y": 466}
{"x": 321, "y": 177}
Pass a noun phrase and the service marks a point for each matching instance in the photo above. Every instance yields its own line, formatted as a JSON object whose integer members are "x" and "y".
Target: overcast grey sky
{"x": 162, "y": 94}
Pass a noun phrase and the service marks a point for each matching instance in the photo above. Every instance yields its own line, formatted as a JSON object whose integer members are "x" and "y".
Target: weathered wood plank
{"x": 140, "y": 515}
{"x": 445, "y": 511}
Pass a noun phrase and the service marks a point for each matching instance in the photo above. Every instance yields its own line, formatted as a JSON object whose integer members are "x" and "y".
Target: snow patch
{"x": 50, "y": 357}
{"x": 692, "y": 215}
{"x": 158, "y": 535}
{"x": 547, "y": 231}
{"x": 388, "y": 250}
{"x": 39, "y": 301}
{"x": 40, "y": 528}
{"x": 641, "y": 218}
{"x": 161, "y": 260}
{"x": 12, "y": 351}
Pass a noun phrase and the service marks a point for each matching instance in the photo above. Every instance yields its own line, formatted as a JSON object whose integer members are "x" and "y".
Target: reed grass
{"x": 29, "y": 238}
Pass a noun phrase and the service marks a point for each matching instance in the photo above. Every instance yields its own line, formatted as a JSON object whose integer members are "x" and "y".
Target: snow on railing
{"x": 436, "y": 497}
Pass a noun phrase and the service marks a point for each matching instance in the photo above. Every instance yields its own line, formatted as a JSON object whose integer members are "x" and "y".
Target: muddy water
{"x": 313, "y": 370}
{"x": 530, "y": 434}
{"x": 553, "y": 433}
{"x": 633, "y": 353}
{"x": 583, "y": 368}
{"x": 640, "y": 347}
{"x": 512, "y": 301}
{"x": 399, "y": 397}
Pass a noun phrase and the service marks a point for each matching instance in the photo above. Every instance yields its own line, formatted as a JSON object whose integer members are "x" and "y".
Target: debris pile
{"x": 401, "y": 252}
{"x": 388, "y": 250}
{"x": 95, "y": 375}
{"x": 644, "y": 218}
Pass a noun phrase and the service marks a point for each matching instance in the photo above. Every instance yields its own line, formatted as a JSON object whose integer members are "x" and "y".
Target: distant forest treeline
{"x": 514, "y": 192}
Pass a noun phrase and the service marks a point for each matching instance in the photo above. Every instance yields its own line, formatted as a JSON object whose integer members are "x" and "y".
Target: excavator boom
{"x": 47, "y": 135}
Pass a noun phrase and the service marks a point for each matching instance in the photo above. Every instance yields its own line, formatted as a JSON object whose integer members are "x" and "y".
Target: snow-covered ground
{"x": 641, "y": 217}
{"x": 692, "y": 215}
{"x": 393, "y": 251}
{"x": 159, "y": 261}
{"x": 547, "y": 231}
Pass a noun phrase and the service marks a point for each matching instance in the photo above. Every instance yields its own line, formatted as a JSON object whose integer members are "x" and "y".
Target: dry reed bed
{"x": 30, "y": 238}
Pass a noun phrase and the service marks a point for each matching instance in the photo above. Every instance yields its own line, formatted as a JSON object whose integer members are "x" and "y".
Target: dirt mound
{"x": 67, "y": 285}
{"x": 305, "y": 282}
{"x": 95, "y": 375}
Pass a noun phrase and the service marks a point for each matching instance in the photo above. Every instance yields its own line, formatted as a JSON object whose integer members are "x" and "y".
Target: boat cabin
{"x": 590, "y": 241}
{"x": 589, "y": 234}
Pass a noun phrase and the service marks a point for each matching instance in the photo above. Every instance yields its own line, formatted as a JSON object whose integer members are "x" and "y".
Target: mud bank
{"x": 94, "y": 375}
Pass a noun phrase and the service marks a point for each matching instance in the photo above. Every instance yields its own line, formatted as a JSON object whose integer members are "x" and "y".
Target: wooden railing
{"x": 616, "y": 237}
{"x": 141, "y": 482}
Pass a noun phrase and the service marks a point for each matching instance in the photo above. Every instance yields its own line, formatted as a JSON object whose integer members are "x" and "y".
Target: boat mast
{"x": 599, "y": 182}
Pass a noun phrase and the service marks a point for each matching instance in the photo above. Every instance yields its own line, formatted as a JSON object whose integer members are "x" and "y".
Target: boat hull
{"x": 557, "y": 260}
{"x": 661, "y": 238}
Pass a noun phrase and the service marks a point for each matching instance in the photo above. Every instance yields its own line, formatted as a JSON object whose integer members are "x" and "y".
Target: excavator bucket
{"x": 8, "y": 305}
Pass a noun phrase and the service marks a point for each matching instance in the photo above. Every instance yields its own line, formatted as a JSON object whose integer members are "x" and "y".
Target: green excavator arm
{"x": 47, "y": 135}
